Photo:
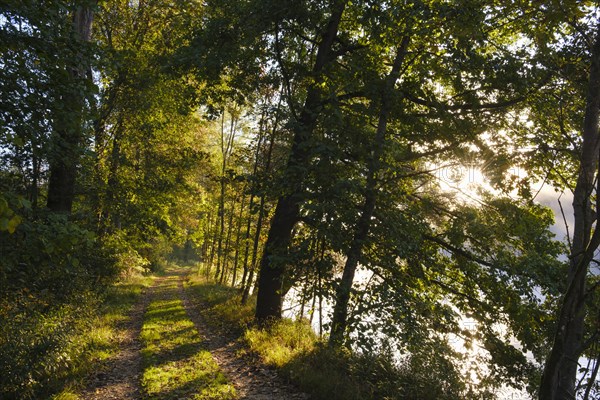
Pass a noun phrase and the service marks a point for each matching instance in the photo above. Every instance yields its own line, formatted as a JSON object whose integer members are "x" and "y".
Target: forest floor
{"x": 169, "y": 350}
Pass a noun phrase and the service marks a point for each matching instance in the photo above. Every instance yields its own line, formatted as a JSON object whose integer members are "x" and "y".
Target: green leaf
{"x": 26, "y": 204}
{"x": 18, "y": 141}
{"x": 3, "y": 205}
{"x": 11, "y": 226}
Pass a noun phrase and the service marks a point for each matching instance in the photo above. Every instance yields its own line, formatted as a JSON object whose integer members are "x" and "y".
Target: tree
{"x": 227, "y": 138}
{"x": 338, "y": 325}
{"x": 571, "y": 339}
{"x": 269, "y": 297}
{"x": 144, "y": 180}
{"x": 45, "y": 84}
{"x": 67, "y": 142}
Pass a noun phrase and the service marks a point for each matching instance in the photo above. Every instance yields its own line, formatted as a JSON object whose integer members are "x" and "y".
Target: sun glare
{"x": 464, "y": 182}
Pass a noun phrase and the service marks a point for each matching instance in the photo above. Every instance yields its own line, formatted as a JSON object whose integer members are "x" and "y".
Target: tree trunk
{"x": 69, "y": 130}
{"x": 270, "y": 279}
{"x": 213, "y": 245}
{"x": 340, "y": 311}
{"x": 226, "y": 149}
{"x": 592, "y": 380}
{"x": 246, "y": 288}
{"x": 101, "y": 139}
{"x": 259, "y": 223}
{"x": 110, "y": 217}
{"x": 206, "y": 240}
{"x": 312, "y": 306}
{"x": 34, "y": 190}
{"x": 304, "y": 295}
{"x": 221, "y": 214}
{"x": 252, "y": 196}
{"x": 560, "y": 371}
{"x": 237, "y": 239}
{"x": 320, "y": 289}
{"x": 224, "y": 272}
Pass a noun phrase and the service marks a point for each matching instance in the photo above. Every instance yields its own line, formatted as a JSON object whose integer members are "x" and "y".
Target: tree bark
{"x": 340, "y": 311}
{"x": 252, "y": 195}
{"x": 272, "y": 267}
{"x": 206, "y": 239}
{"x": 224, "y": 272}
{"x": 213, "y": 246}
{"x": 34, "y": 190}
{"x": 69, "y": 129}
{"x": 109, "y": 211}
{"x": 261, "y": 210}
{"x": 226, "y": 148}
{"x": 592, "y": 380}
{"x": 237, "y": 238}
{"x": 560, "y": 371}
{"x": 259, "y": 223}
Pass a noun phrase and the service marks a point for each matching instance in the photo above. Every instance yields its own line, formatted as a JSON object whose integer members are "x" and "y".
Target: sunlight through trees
{"x": 371, "y": 165}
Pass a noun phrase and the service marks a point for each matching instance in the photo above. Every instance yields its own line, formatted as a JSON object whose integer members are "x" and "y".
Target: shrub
{"x": 128, "y": 261}
{"x": 52, "y": 273}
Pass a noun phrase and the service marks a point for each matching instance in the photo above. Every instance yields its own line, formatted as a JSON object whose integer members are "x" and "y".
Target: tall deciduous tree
{"x": 287, "y": 211}
{"x": 353, "y": 255}
{"x": 68, "y": 139}
{"x": 571, "y": 339}
{"x": 148, "y": 136}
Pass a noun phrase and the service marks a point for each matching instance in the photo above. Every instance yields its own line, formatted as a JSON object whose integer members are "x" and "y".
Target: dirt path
{"x": 252, "y": 380}
{"x": 121, "y": 379}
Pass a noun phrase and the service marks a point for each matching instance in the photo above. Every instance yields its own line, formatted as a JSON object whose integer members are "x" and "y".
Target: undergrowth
{"x": 49, "y": 354}
{"x": 329, "y": 374}
{"x": 100, "y": 341}
{"x": 54, "y": 279}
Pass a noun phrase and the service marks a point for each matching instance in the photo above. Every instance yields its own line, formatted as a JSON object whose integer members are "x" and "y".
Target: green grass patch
{"x": 282, "y": 342}
{"x": 93, "y": 347}
{"x": 221, "y": 305}
{"x": 295, "y": 349}
{"x": 175, "y": 363}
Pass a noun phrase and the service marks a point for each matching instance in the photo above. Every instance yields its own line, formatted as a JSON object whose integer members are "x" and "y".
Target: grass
{"x": 176, "y": 365}
{"x": 94, "y": 346}
{"x": 282, "y": 342}
{"x": 300, "y": 355}
{"x": 226, "y": 310}
{"x": 289, "y": 346}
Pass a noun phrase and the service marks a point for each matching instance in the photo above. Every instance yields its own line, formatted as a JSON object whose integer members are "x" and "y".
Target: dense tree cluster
{"x": 294, "y": 148}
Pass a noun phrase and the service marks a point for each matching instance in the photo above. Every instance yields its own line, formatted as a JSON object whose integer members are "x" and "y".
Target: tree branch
{"x": 457, "y": 250}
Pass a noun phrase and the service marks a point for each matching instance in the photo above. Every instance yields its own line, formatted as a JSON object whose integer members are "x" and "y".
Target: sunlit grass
{"x": 94, "y": 348}
{"x": 282, "y": 342}
{"x": 277, "y": 344}
{"x": 289, "y": 346}
{"x": 224, "y": 304}
{"x": 175, "y": 363}
{"x": 66, "y": 395}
